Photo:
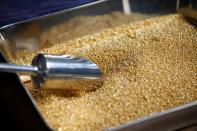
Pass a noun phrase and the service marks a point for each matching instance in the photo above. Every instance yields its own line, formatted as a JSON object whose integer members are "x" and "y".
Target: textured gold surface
{"x": 85, "y": 25}
{"x": 149, "y": 66}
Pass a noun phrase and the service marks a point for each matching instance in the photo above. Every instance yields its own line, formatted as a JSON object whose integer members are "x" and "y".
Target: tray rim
{"x": 52, "y": 14}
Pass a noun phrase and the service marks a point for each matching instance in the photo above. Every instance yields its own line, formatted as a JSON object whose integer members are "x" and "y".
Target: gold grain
{"x": 149, "y": 66}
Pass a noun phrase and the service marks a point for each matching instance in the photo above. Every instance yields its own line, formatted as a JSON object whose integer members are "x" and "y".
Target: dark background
{"x": 12, "y": 11}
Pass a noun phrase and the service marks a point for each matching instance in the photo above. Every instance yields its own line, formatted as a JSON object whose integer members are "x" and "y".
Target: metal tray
{"x": 14, "y": 37}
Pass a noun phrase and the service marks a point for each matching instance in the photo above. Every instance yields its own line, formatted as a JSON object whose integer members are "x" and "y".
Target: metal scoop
{"x": 60, "y": 72}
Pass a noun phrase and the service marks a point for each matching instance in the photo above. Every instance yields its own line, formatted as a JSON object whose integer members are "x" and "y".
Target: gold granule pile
{"x": 149, "y": 66}
{"x": 85, "y": 25}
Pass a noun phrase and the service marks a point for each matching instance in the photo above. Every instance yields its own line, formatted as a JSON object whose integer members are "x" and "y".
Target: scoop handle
{"x": 21, "y": 69}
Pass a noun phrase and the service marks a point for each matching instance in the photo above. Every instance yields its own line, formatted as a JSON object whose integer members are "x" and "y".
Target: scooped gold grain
{"x": 149, "y": 66}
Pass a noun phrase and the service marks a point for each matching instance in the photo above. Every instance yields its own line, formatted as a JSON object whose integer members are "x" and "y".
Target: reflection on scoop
{"x": 60, "y": 72}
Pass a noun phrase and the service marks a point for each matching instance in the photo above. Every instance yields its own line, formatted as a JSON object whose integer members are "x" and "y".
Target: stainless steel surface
{"x": 25, "y": 70}
{"x": 6, "y": 47}
{"x": 175, "y": 118}
{"x": 172, "y": 119}
{"x": 66, "y": 72}
{"x": 60, "y": 72}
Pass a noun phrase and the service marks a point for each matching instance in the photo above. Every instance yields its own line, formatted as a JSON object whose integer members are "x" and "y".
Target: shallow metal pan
{"x": 180, "y": 118}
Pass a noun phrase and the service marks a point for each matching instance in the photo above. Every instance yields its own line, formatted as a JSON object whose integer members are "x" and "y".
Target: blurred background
{"x": 12, "y": 11}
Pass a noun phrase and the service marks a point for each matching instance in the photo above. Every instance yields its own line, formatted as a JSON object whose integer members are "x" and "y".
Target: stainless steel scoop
{"x": 60, "y": 72}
